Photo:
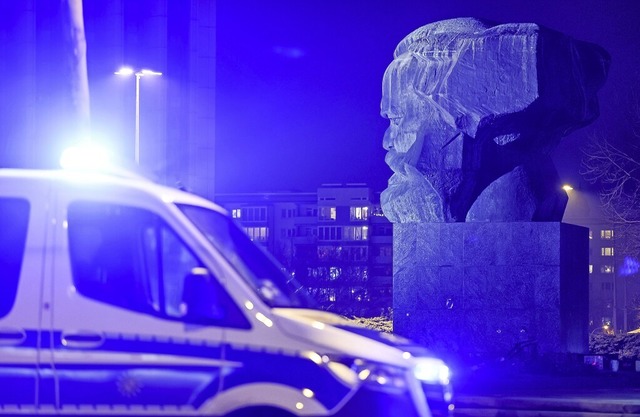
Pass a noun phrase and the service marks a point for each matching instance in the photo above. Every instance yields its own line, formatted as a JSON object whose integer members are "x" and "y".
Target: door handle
{"x": 11, "y": 336}
{"x": 82, "y": 339}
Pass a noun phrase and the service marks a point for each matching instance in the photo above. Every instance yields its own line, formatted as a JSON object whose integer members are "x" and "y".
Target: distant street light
{"x": 567, "y": 187}
{"x": 127, "y": 71}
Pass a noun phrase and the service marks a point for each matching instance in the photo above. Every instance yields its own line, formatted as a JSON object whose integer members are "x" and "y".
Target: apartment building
{"x": 613, "y": 291}
{"x": 335, "y": 241}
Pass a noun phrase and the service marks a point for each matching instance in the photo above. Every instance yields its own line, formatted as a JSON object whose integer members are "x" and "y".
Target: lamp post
{"x": 127, "y": 71}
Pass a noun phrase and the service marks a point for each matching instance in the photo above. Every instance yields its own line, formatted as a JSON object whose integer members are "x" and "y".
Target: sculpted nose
{"x": 389, "y": 138}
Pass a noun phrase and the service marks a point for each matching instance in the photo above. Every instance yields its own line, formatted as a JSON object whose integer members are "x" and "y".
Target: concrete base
{"x": 477, "y": 289}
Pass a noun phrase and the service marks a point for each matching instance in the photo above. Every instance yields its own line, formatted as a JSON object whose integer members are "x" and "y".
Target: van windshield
{"x": 257, "y": 267}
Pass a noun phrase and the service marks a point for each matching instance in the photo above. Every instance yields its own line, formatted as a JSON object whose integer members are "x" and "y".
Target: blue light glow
{"x": 629, "y": 266}
{"x": 87, "y": 156}
{"x": 432, "y": 371}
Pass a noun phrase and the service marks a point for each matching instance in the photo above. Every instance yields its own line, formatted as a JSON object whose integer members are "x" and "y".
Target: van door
{"x": 128, "y": 333}
{"x": 25, "y": 382}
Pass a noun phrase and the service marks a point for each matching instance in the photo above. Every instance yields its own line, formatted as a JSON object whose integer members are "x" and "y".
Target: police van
{"x": 119, "y": 296}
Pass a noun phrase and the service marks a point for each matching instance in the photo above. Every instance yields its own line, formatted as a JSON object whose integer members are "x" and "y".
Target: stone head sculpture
{"x": 475, "y": 111}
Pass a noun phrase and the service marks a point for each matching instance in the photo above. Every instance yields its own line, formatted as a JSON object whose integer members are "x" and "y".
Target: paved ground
{"x": 577, "y": 392}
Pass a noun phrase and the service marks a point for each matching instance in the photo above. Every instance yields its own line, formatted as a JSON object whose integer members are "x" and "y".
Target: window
{"x": 377, "y": 211}
{"x": 328, "y": 252}
{"x": 607, "y": 251}
{"x": 14, "y": 219}
{"x": 359, "y": 213}
{"x": 327, "y": 213}
{"x": 128, "y": 257}
{"x": 254, "y": 214}
{"x": 590, "y": 269}
{"x": 288, "y": 213}
{"x": 606, "y": 234}
{"x": 260, "y": 234}
{"x": 606, "y": 269}
{"x": 335, "y": 272}
{"x": 385, "y": 251}
{"x": 356, "y": 232}
{"x": 329, "y": 233}
{"x": 383, "y": 230}
{"x": 355, "y": 253}
{"x": 236, "y": 213}
{"x": 306, "y": 231}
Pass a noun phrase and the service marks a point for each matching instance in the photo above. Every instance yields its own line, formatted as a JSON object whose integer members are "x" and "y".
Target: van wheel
{"x": 260, "y": 412}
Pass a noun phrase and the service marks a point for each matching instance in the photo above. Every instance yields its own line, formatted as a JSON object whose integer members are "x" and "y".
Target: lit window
{"x": 327, "y": 213}
{"x": 606, "y": 234}
{"x": 606, "y": 269}
{"x": 607, "y": 251}
{"x": 257, "y": 233}
{"x": 377, "y": 211}
{"x": 590, "y": 234}
{"x": 356, "y": 232}
{"x": 334, "y": 272}
{"x": 236, "y": 213}
{"x": 359, "y": 213}
{"x": 591, "y": 269}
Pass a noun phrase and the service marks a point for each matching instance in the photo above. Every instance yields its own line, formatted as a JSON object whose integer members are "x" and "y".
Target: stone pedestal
{"x": 475, "y": 289}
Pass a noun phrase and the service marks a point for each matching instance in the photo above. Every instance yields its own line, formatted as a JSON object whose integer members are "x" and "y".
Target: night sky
{"x": 299, "y": 82}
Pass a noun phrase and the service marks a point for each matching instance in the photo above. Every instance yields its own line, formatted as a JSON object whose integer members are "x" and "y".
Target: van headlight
{"x": 373, "y": 374}
{"x": 431, "y": 371}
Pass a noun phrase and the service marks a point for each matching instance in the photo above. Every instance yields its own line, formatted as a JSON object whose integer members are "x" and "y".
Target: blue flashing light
{"x": 85, "y": 157}
{"x": 433, "y": 371}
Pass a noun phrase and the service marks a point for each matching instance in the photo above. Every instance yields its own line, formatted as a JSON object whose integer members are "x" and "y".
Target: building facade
{"x": 613, "y": 283}
{"x": 336, "y": 242}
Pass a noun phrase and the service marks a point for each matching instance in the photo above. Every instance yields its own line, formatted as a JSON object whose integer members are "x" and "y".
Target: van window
{"x": 130, "y": 258}
{"x": 254, "y": 264}
{"x": 14, "y": 219}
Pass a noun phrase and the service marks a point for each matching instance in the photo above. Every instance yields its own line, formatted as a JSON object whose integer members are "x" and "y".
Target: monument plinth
{"x": 486, "y": 288}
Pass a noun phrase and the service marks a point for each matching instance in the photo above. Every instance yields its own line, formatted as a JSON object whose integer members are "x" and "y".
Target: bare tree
{"x": 613, "y": 163}
{"x": 615, "y": 167}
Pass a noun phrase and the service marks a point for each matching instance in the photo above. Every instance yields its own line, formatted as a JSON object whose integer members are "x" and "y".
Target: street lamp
{"x": 127, "y": 71}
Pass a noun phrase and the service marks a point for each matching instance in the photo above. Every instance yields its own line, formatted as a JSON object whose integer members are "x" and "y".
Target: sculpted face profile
{"x": 475, "y": 110}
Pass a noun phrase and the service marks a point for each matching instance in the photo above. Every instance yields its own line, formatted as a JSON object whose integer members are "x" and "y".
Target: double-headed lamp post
{"x": 127, "y": 71}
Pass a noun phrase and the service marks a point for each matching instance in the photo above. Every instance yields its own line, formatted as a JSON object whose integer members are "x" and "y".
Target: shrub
{"x": 381, "y": 323}
{"x": 626, "y": 346}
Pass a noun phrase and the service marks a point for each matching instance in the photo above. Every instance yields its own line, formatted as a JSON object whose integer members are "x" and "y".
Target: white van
{"x": 122, "y": 297}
